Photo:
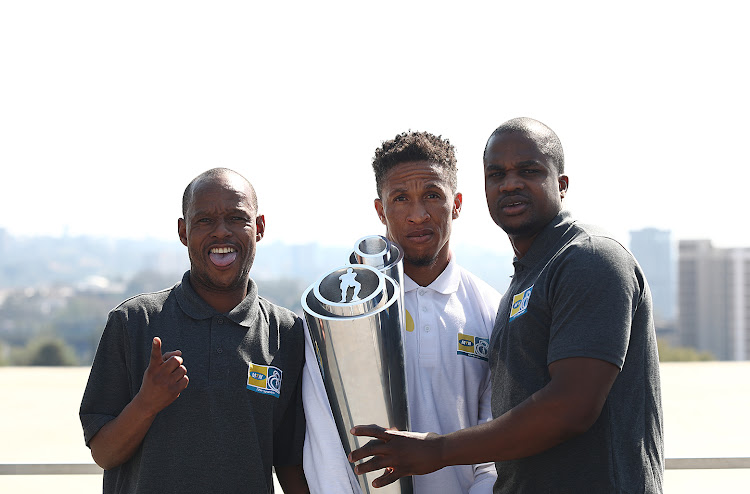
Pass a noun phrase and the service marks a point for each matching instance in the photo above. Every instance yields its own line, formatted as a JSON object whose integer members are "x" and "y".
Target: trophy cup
{"x": 354, "y": 314}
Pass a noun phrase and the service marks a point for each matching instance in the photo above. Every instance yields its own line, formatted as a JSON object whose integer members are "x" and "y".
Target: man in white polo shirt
{"x": 449, "y": 318}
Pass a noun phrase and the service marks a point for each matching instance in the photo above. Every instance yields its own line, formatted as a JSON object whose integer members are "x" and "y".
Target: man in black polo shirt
{"x": 575, "y": 371}
{"x": 152, "y": 425}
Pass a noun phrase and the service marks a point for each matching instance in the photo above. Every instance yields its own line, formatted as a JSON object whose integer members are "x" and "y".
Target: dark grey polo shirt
{"x": 579, "y": 293}
{"x": 241, "y": 412}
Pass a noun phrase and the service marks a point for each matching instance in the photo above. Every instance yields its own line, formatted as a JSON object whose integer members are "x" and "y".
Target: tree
{"x": 46, "y": 351}
{"x": 4, "y": 353}
{"x": 669, "y": 353}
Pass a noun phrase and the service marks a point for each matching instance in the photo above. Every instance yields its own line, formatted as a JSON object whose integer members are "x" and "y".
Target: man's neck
{"x": 425, "y": 275}
{"x": 521, "y": 245}
{"x": 222, "y": 301}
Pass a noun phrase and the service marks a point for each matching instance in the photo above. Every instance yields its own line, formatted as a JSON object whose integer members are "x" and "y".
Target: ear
{"x": 182, "y": 231}
{"x": 563, "y": 182}
{"x": 260, "y": 227}
{"x": 379, "y": 209}
{"x": 457, "y": 201}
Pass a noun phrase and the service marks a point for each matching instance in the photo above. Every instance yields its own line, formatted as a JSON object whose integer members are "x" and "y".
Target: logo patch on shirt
{"x": 409, "y": 322}
{"x": 473, "y": 346}
{"x": 264, "y": 379}
{"x": 520, "y": 303}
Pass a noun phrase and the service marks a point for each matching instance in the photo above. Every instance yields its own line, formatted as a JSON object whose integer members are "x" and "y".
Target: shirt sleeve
{"x": 327, "y": 469}
{"x": 485, "y": 474}
{"x": 594, "y": 294}
{"x": 108, "y": 389}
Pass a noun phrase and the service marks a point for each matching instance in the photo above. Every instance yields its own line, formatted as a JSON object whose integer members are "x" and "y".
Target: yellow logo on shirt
{"x": 264, "y": 379}
{"x": 520, "y": 303}
{"x": 409, "y": 322}
{"x": 473, "y": 346}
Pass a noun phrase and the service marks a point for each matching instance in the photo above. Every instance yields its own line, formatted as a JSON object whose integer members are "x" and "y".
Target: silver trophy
{"x": 355, "y": 314}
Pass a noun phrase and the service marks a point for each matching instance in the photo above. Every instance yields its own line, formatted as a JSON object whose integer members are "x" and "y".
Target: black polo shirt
{"x": 241, "y": 412}
{"x": 579, "y": 293}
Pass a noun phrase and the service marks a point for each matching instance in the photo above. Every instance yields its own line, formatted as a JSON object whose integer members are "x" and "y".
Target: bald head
{"x": 218, "y": 174}
{"x": 544, "y": 137}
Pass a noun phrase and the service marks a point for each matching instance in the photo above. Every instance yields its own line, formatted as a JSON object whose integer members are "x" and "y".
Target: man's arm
{"x": 163, "y": 381}
{"x": 566, "y": 407}
{"x": 292, "y": 479}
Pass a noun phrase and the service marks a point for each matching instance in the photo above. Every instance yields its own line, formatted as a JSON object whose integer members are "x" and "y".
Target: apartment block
{"x": 654, "y": 251}
{"x": 714, "y": 299}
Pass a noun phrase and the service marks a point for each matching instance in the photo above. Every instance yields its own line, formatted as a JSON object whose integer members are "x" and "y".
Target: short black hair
{"x": 415, "y": 146}
{"x": 544, "y": 137}
{"x": 212, "y": 174}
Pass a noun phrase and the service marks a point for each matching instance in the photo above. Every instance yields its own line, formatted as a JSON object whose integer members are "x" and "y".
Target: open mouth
{"x": 222, "y": 256}
{"x": 513, "y": 206}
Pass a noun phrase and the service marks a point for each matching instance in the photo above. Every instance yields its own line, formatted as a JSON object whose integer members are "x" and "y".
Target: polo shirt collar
{"x": 446, "y": 283}
{"x": 547, "y": 238}
{"x": 245, "y": 314}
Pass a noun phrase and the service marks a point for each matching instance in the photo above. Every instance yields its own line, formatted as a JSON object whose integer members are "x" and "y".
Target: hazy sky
{"x": 108, "y": 109}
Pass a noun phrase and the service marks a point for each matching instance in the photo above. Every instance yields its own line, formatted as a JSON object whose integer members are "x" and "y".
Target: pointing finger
{"x": 156, "y": 357}
{"x": 371, "y": 430}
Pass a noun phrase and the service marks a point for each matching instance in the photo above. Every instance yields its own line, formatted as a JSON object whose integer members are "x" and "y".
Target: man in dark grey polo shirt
{"x": 221, "y": 427}
{"x": 575, "y": 371}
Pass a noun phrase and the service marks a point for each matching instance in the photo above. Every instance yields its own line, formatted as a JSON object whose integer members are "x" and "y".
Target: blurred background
{"x": 107, "y": 111}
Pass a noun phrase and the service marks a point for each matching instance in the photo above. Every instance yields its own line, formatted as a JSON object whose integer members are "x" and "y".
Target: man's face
{"x": 524, "y": 191}
{"x": 417, "y": 206}
{"x": 220, "y": 230}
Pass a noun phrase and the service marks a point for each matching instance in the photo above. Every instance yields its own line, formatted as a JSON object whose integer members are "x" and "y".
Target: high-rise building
{"x": 714, "y": 299}
{"x": 655, "y": 253}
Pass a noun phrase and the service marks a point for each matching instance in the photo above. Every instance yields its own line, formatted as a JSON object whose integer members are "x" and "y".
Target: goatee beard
{"x": 421, "y": 262}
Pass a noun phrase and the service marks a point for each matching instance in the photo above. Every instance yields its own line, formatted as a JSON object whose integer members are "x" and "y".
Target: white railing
{"x": 706, "y": 463}
{"x": 92, "y": 468}
{"x": 50, "y": 469}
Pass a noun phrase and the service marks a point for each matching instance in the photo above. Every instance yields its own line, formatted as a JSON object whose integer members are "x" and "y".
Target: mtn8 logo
{"x": 273, "y": 383}
{"x": 482, "y": 347}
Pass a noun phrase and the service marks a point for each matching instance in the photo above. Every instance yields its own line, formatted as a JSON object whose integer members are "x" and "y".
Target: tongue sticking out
{"x": 222, "y": 260}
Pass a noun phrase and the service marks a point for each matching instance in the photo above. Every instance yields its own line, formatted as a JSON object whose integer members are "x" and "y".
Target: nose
{"x": 511, "y": 182}
{"x": 418, "y": 213}
{"x": 221, "y": 229}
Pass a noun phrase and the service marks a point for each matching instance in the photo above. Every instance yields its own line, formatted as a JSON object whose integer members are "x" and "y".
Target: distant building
{"x": 5, "y": 240}
{"x": 714, "y": 299}
{"x": 654, "y": 251}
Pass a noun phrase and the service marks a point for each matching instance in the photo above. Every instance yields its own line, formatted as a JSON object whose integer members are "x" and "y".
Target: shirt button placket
{"x": 219, "y": 321}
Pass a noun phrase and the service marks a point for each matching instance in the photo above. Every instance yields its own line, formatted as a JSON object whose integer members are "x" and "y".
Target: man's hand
{"x": 401, "y": 453}
{"x": 563, "y": 409}
{"x": 164, "y": 379}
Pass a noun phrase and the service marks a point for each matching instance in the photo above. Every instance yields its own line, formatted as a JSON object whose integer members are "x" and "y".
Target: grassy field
{"x": 705, "y": 407}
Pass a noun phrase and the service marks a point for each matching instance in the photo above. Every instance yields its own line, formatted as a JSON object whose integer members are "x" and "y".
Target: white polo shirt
{"x": 448, "y": 326}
